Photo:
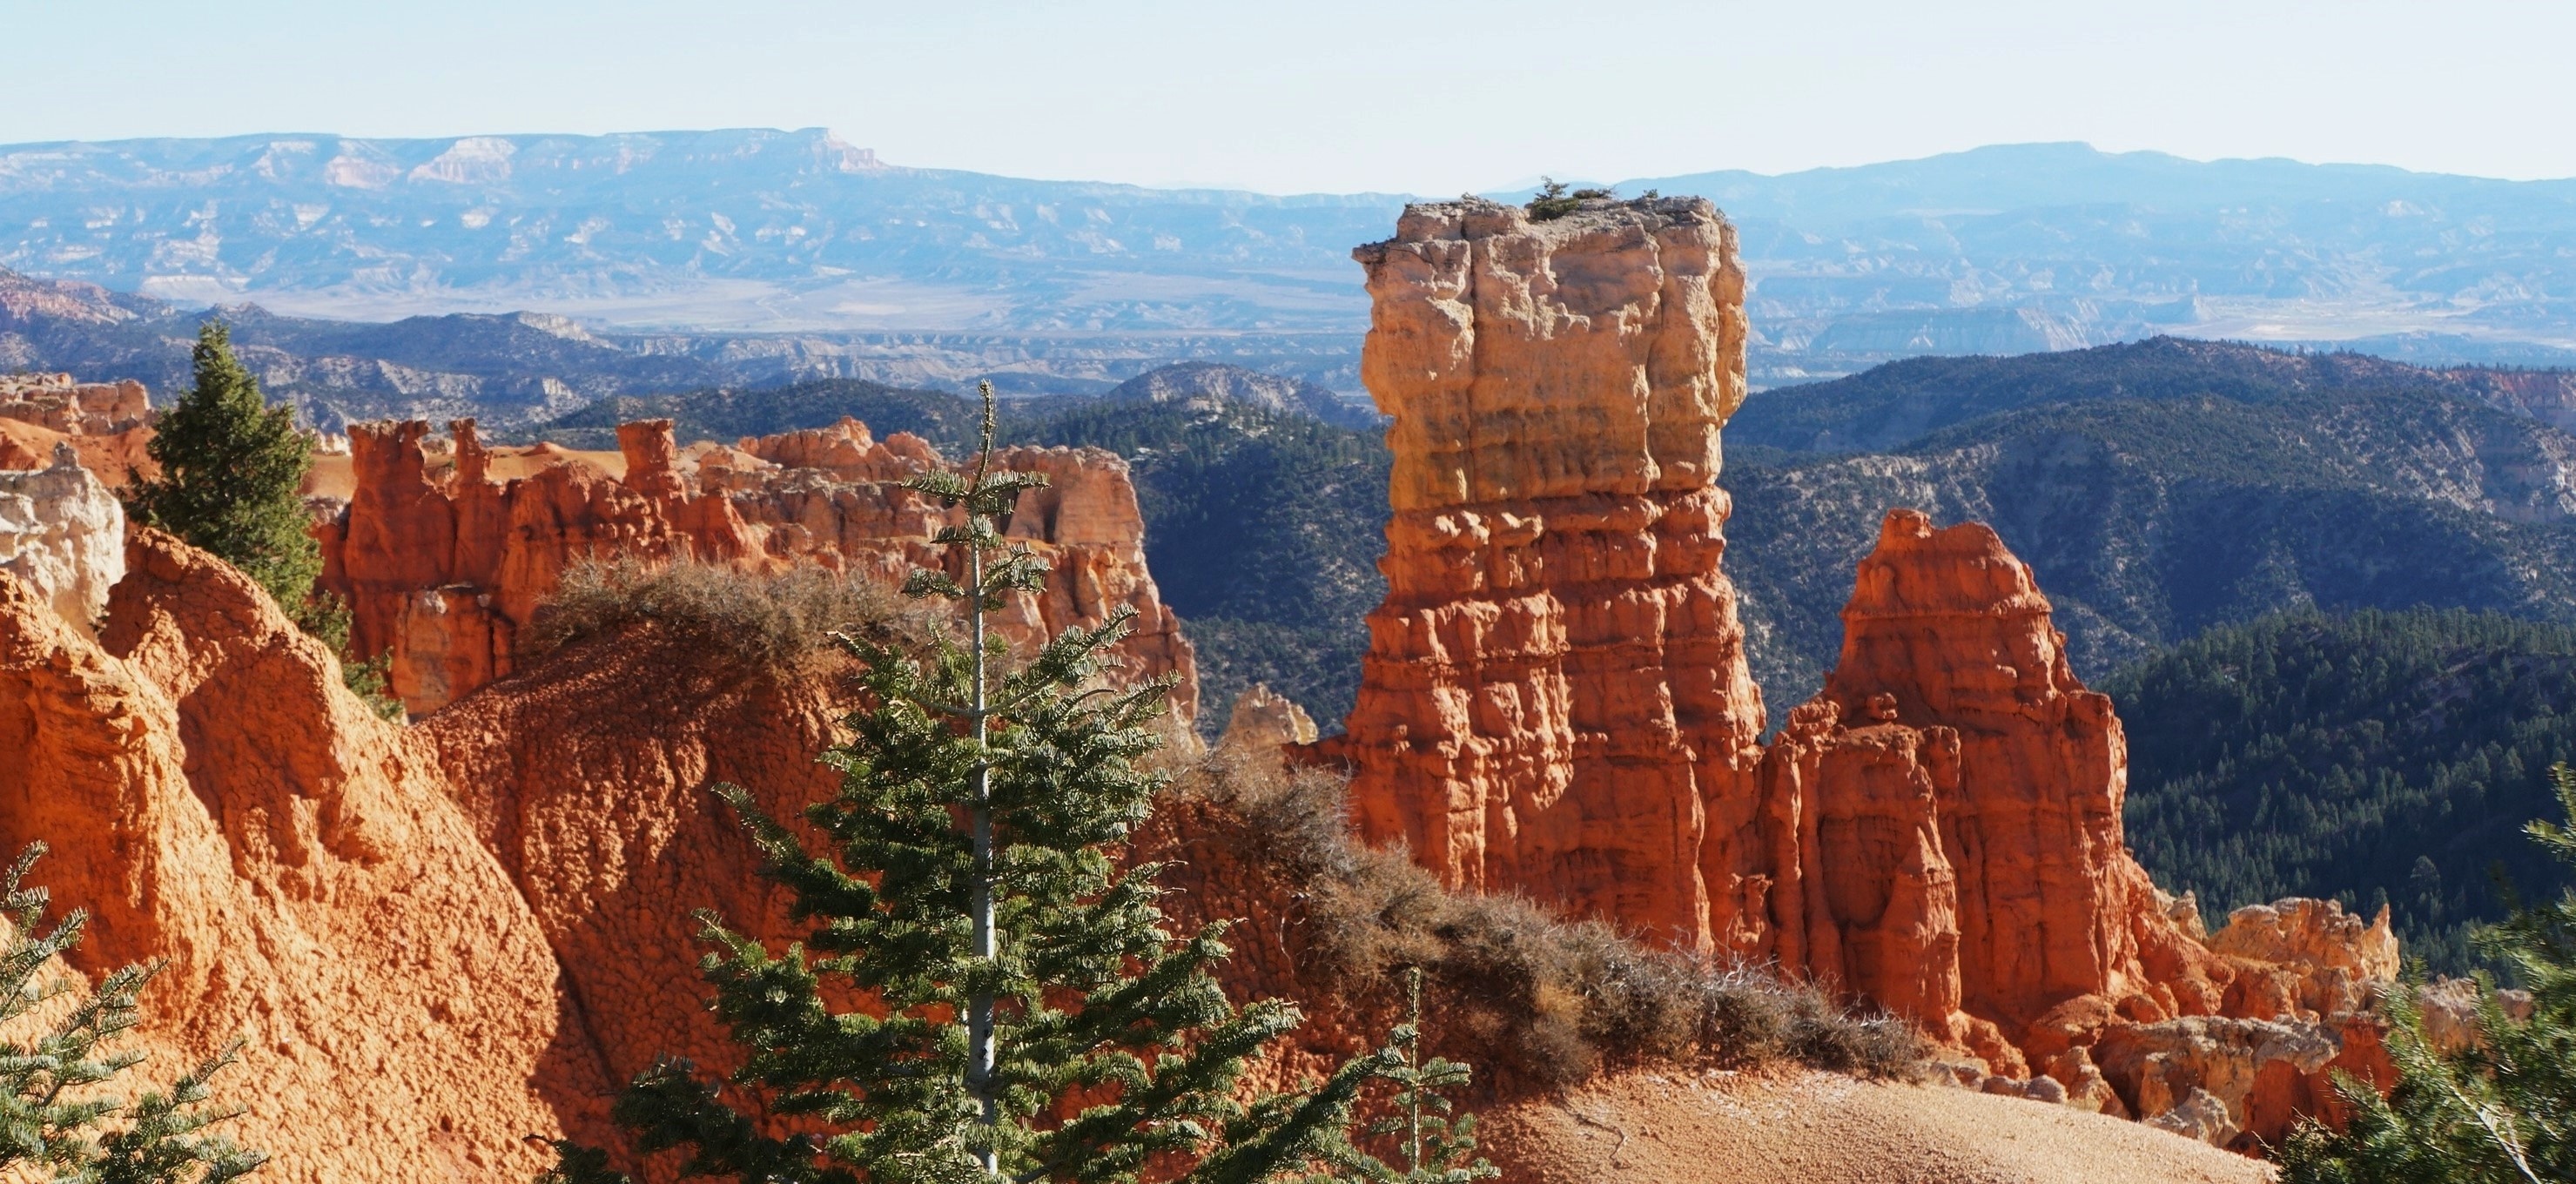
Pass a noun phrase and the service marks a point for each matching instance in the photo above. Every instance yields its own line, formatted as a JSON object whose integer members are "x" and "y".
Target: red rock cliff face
{"x": 612, "y": 833}
{"x": 1947, "y": 635}
{"x": 443, "y": 568}
{"x": 220, "y": 802}
{"x": 1555, "y": 698}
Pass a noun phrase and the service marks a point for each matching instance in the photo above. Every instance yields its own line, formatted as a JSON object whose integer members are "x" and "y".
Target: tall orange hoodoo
{"x": 1555, "y": 699}
{"x": 1555, "y": 696}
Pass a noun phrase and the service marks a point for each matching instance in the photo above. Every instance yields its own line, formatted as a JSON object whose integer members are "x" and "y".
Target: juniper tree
{"x": 231, "y": 468}
{"x": 230, "y": 484}
{"x": 1030, "y": 1013}
{"x": 2503, "y": 1109}
{"x": 1552, "y": 201}
{"x": 56, "y": 1121}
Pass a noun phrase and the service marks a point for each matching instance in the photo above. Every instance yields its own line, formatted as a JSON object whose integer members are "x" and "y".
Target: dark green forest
{"x": 727, "y": 414}
{"x": 2372, "y": 757}
{"x": 1885, "y": 408}
{"x": 2156, "y": 489}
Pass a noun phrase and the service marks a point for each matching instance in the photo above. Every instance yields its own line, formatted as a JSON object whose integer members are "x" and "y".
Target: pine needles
{"x": 55, "y": 1117}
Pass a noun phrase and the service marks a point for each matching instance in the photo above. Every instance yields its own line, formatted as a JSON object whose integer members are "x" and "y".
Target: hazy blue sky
{"x": 1328, "y": 95}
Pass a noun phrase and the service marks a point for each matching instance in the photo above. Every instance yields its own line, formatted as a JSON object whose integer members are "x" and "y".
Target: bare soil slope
{"x": 1818, "y": 1128}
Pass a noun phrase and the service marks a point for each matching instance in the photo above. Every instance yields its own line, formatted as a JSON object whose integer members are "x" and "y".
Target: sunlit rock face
{"x": 222, "y": 805}
{"x": 63, "y": 532}
{"x": 443, "y": 564}
{"x": 1555, "y": 698}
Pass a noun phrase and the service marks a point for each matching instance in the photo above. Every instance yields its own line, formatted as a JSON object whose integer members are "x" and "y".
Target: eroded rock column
{"x": 1555, "y": 699}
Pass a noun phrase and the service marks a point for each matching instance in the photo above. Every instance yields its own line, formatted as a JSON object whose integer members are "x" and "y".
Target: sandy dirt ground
{"x": 1652, "y": 1128}
{"x": 28, "y": 446}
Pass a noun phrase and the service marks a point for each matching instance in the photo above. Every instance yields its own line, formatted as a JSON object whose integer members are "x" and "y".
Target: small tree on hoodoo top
{"x": 231, "y": 471}
{"x": 1030, "y": 1014}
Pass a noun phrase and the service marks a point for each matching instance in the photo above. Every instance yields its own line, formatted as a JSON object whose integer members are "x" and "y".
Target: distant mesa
{"x": 475, "y": 160}
{"x": 2007, "y": 248}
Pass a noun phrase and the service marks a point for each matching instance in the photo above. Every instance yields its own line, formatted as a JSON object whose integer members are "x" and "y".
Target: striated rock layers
{"x": 1555, "y": 695}
{"x": 1955, "y": 797}
{"x": 1555, "y": 702}
{"x": 221, "y": 803}
{"x": 442, "y": 567}
{"x": 109, "y": 424}
{"x": 63, "y": 533}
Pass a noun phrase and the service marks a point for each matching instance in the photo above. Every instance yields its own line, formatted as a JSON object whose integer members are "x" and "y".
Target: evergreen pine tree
{"x": 1031, "y": 1015}
{"x": 55, "y": 1121}
{"x": 1432, "y": 1148}
{"x": 2501, "y": 1111}
{"x": 231, "y": 467}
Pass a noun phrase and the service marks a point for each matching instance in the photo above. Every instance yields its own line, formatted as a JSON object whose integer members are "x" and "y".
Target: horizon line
{"x": 1515, "y": 188}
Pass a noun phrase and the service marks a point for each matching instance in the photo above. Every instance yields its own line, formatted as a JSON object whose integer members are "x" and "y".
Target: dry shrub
{"x": 756, "y": 621}
{"x": 1529, "y": 997}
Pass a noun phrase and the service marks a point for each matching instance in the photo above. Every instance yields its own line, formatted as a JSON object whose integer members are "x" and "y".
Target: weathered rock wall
{"x": 1555, "y": 694}
{"x": 222, "y": 804}
{"x": 443, "y": 566}
{"x": 612, "y": 832}
{"x": 110, "y": 458}
{"x": 63, "y": 532}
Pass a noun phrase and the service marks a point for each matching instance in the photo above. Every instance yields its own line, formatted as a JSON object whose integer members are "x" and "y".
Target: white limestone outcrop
{"x": 63, "y": 532}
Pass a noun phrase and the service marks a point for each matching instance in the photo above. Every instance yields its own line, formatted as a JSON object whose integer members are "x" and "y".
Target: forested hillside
{"x": 2157, "y": 490}
{"x": 1263, "y": 529}
{"x": 2371, "y": 756}
{"x": 728, "y": 414}
{"x": 1897, "y": 404}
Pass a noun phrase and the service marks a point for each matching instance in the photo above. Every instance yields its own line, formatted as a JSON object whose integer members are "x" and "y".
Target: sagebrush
{"x": 748, "y": 619}
{"x": 1531, "y": 997}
